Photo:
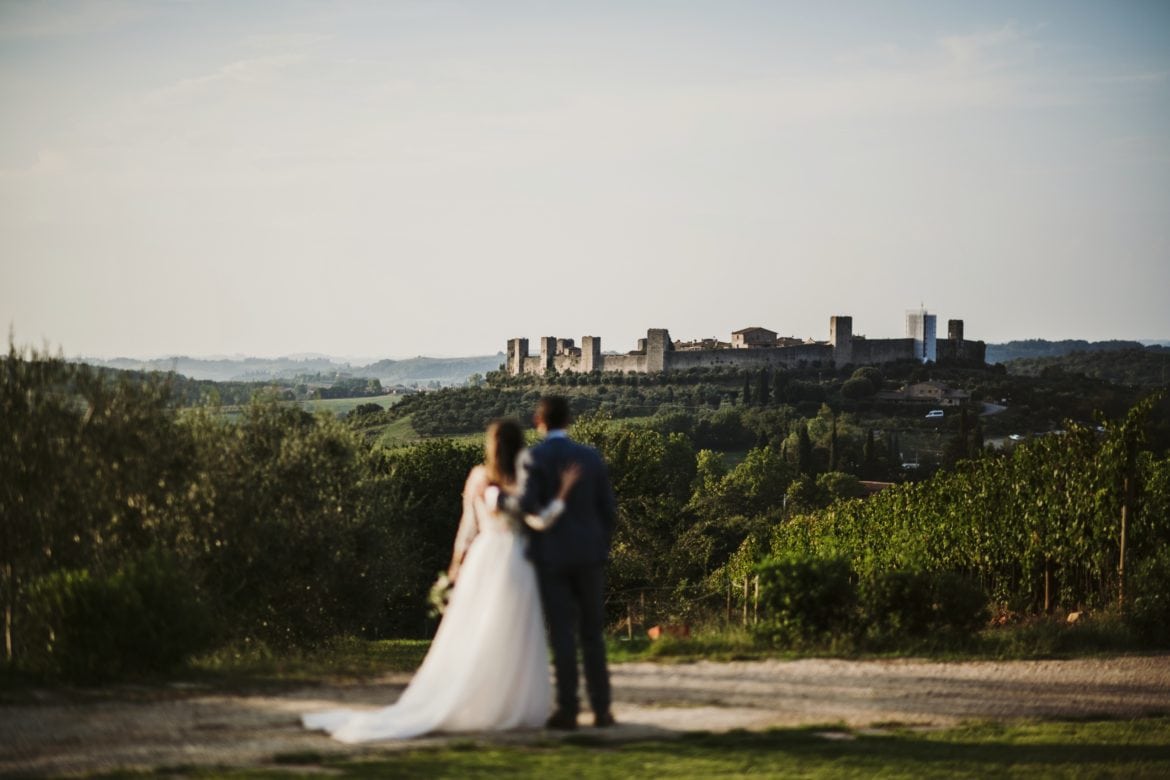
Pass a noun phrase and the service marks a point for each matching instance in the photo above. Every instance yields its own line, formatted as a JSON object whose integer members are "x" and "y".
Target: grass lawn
{"x": 401, "y": 433}
{"x": 362, "y": 658}
{"x": 1099, "y": 748}
{"x": 398, "y": 433}
{"x": 342, "y": 658}
{"x": 342, "y": 406}
{"x": 1106, "y": 635}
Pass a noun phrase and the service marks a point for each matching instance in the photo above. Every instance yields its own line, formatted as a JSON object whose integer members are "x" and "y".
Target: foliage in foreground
{"x": 1039, "y": 529}
{"x": 290, "y": 530}
{"x": 134, "y": 535}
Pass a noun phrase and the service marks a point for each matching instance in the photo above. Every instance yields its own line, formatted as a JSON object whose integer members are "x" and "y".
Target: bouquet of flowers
{"x": 439, "y": 595}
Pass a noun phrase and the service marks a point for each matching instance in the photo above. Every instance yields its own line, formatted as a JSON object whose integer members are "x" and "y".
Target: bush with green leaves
{"x": 1041, "y": 521}
{"x": 1149, "y": 609}
{"x": 145, "y": 617}
{"x": 960, "y": 605}
{"x": 805, "y": 598}
{"x": 909, "y": 604}
{"x": 896, "y": 604}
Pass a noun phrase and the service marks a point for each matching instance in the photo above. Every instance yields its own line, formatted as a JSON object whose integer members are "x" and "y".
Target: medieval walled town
{"x": 754, "y": 347}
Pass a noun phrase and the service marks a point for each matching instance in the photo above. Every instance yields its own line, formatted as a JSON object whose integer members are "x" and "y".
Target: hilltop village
{"x": 753, "y": 347}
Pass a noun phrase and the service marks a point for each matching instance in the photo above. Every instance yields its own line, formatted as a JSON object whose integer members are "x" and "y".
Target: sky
{"x": 399, "y": 178}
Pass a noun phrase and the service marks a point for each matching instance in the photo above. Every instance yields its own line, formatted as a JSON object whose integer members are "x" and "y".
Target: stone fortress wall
{"x": 657, "y": 353}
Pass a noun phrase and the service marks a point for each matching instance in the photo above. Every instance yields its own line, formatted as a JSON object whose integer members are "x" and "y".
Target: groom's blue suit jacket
{"x": 581, "y": 536}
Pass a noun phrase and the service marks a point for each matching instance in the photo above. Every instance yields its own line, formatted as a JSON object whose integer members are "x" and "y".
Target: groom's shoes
{"x": 603, "y": 720}
{"x": 561, "y": 721}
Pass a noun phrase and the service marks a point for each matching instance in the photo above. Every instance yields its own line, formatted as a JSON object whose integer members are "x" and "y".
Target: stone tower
{"x": 841, "y": 337}
{"x": 517, "y": 351}
{"x": 955, "y": 331}
{"x": 658, "y": 343}
{"x": 590, "y": 353}
{"x": 548, "y": 350}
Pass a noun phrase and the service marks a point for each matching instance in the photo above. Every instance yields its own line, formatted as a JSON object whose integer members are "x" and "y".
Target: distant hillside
{"x": 423, "y": 370}
{"x": 446, "y": 371}
{"x": 1037, "y": 348}
{"x": 1137, "y": 367}
{"x": 227, "y": 369}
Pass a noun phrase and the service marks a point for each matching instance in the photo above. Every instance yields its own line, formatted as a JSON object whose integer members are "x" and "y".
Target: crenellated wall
{"x": 964, "y": 351}
{"x": 868, "y": 352}
{"x": 656, "y": 353}
{"x": 630, "y": 364}
{"x": 776, "y": 357}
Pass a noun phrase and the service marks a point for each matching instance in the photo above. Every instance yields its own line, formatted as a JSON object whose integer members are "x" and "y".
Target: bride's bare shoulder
{"x": 477, "y": 480}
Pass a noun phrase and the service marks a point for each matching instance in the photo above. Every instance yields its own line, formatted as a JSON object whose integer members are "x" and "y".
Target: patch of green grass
{"x": 729, "y": 644}
{"x": 398, "y": 433}
{"x": 1103, "y": 633}
{"x": 1100, "y": 633}
{"x": 342, "y": 406}
{"x": 401, "y": 433}
{"x": 342, "y": 658}
{"x": 1103, "y": 748}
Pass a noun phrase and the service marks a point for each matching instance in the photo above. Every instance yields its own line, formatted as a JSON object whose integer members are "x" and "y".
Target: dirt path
{"x": 151, "y": 728}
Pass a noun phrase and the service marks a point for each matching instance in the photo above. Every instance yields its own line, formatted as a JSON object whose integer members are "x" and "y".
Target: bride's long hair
{"x": 502, "y": 444}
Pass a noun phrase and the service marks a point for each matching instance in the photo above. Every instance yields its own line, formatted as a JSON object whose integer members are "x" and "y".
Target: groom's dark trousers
{"x": 570, "y": 559}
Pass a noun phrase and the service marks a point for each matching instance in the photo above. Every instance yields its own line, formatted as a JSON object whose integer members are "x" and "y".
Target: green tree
{"x": 857, "y": 388}
{"x": 869, "y": 456}
{"x": 804, "y": 451}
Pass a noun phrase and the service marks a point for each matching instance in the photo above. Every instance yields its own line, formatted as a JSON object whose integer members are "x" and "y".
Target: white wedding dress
{"x": 487, "y": 667}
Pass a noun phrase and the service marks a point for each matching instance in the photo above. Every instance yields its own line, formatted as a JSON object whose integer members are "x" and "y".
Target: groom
{"x": 570, "y": 557}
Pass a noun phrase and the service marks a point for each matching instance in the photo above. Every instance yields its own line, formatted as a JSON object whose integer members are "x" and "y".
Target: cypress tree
{"x": 804, "y": 452}
{"x": 868, "y": 454}
{"x": 833, "y": 445}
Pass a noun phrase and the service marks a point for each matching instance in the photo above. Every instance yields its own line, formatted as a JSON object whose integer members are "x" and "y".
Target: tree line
{"x": 137, "y": 531}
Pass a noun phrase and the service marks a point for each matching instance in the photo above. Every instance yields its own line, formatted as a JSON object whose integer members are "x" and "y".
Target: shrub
{"x": 144, "y": 618}
{"x": 896, "y": 604}
{"x": 805, "y": 598}
{"x": 914, "y": 604}
{"x": 857, "y": 388}
{"x": 960, "y": 604}
{"x": 1149, "y": 607}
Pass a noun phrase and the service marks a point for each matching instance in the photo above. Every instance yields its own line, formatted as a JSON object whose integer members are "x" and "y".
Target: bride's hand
{"x": 569, "y": 477}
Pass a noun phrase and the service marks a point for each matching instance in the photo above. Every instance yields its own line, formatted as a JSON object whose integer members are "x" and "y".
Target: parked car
{"x": 934, "y": 413}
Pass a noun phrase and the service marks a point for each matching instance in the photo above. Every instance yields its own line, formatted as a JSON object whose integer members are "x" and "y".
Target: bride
{"x": 487, "y": 667}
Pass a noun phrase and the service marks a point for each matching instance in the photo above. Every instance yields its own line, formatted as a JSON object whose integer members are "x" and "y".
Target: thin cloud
{"x": 250, "y": 72}
{"x": 286, "y": 40}
{"x": 973, "y": 49}
{"x": 64, "y": 19}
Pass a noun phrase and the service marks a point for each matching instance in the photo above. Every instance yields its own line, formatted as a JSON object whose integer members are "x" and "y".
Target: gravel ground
{"x": 144, "y": 728}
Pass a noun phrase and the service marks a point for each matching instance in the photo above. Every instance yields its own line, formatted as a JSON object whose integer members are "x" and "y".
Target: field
{"x": 806, "y": 717}
{"x": 343, "y": 406}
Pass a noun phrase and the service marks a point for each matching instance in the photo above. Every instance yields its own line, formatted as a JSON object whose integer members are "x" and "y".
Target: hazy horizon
{"x": 365, "y": 360}
{"x": 433, "y": 178}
